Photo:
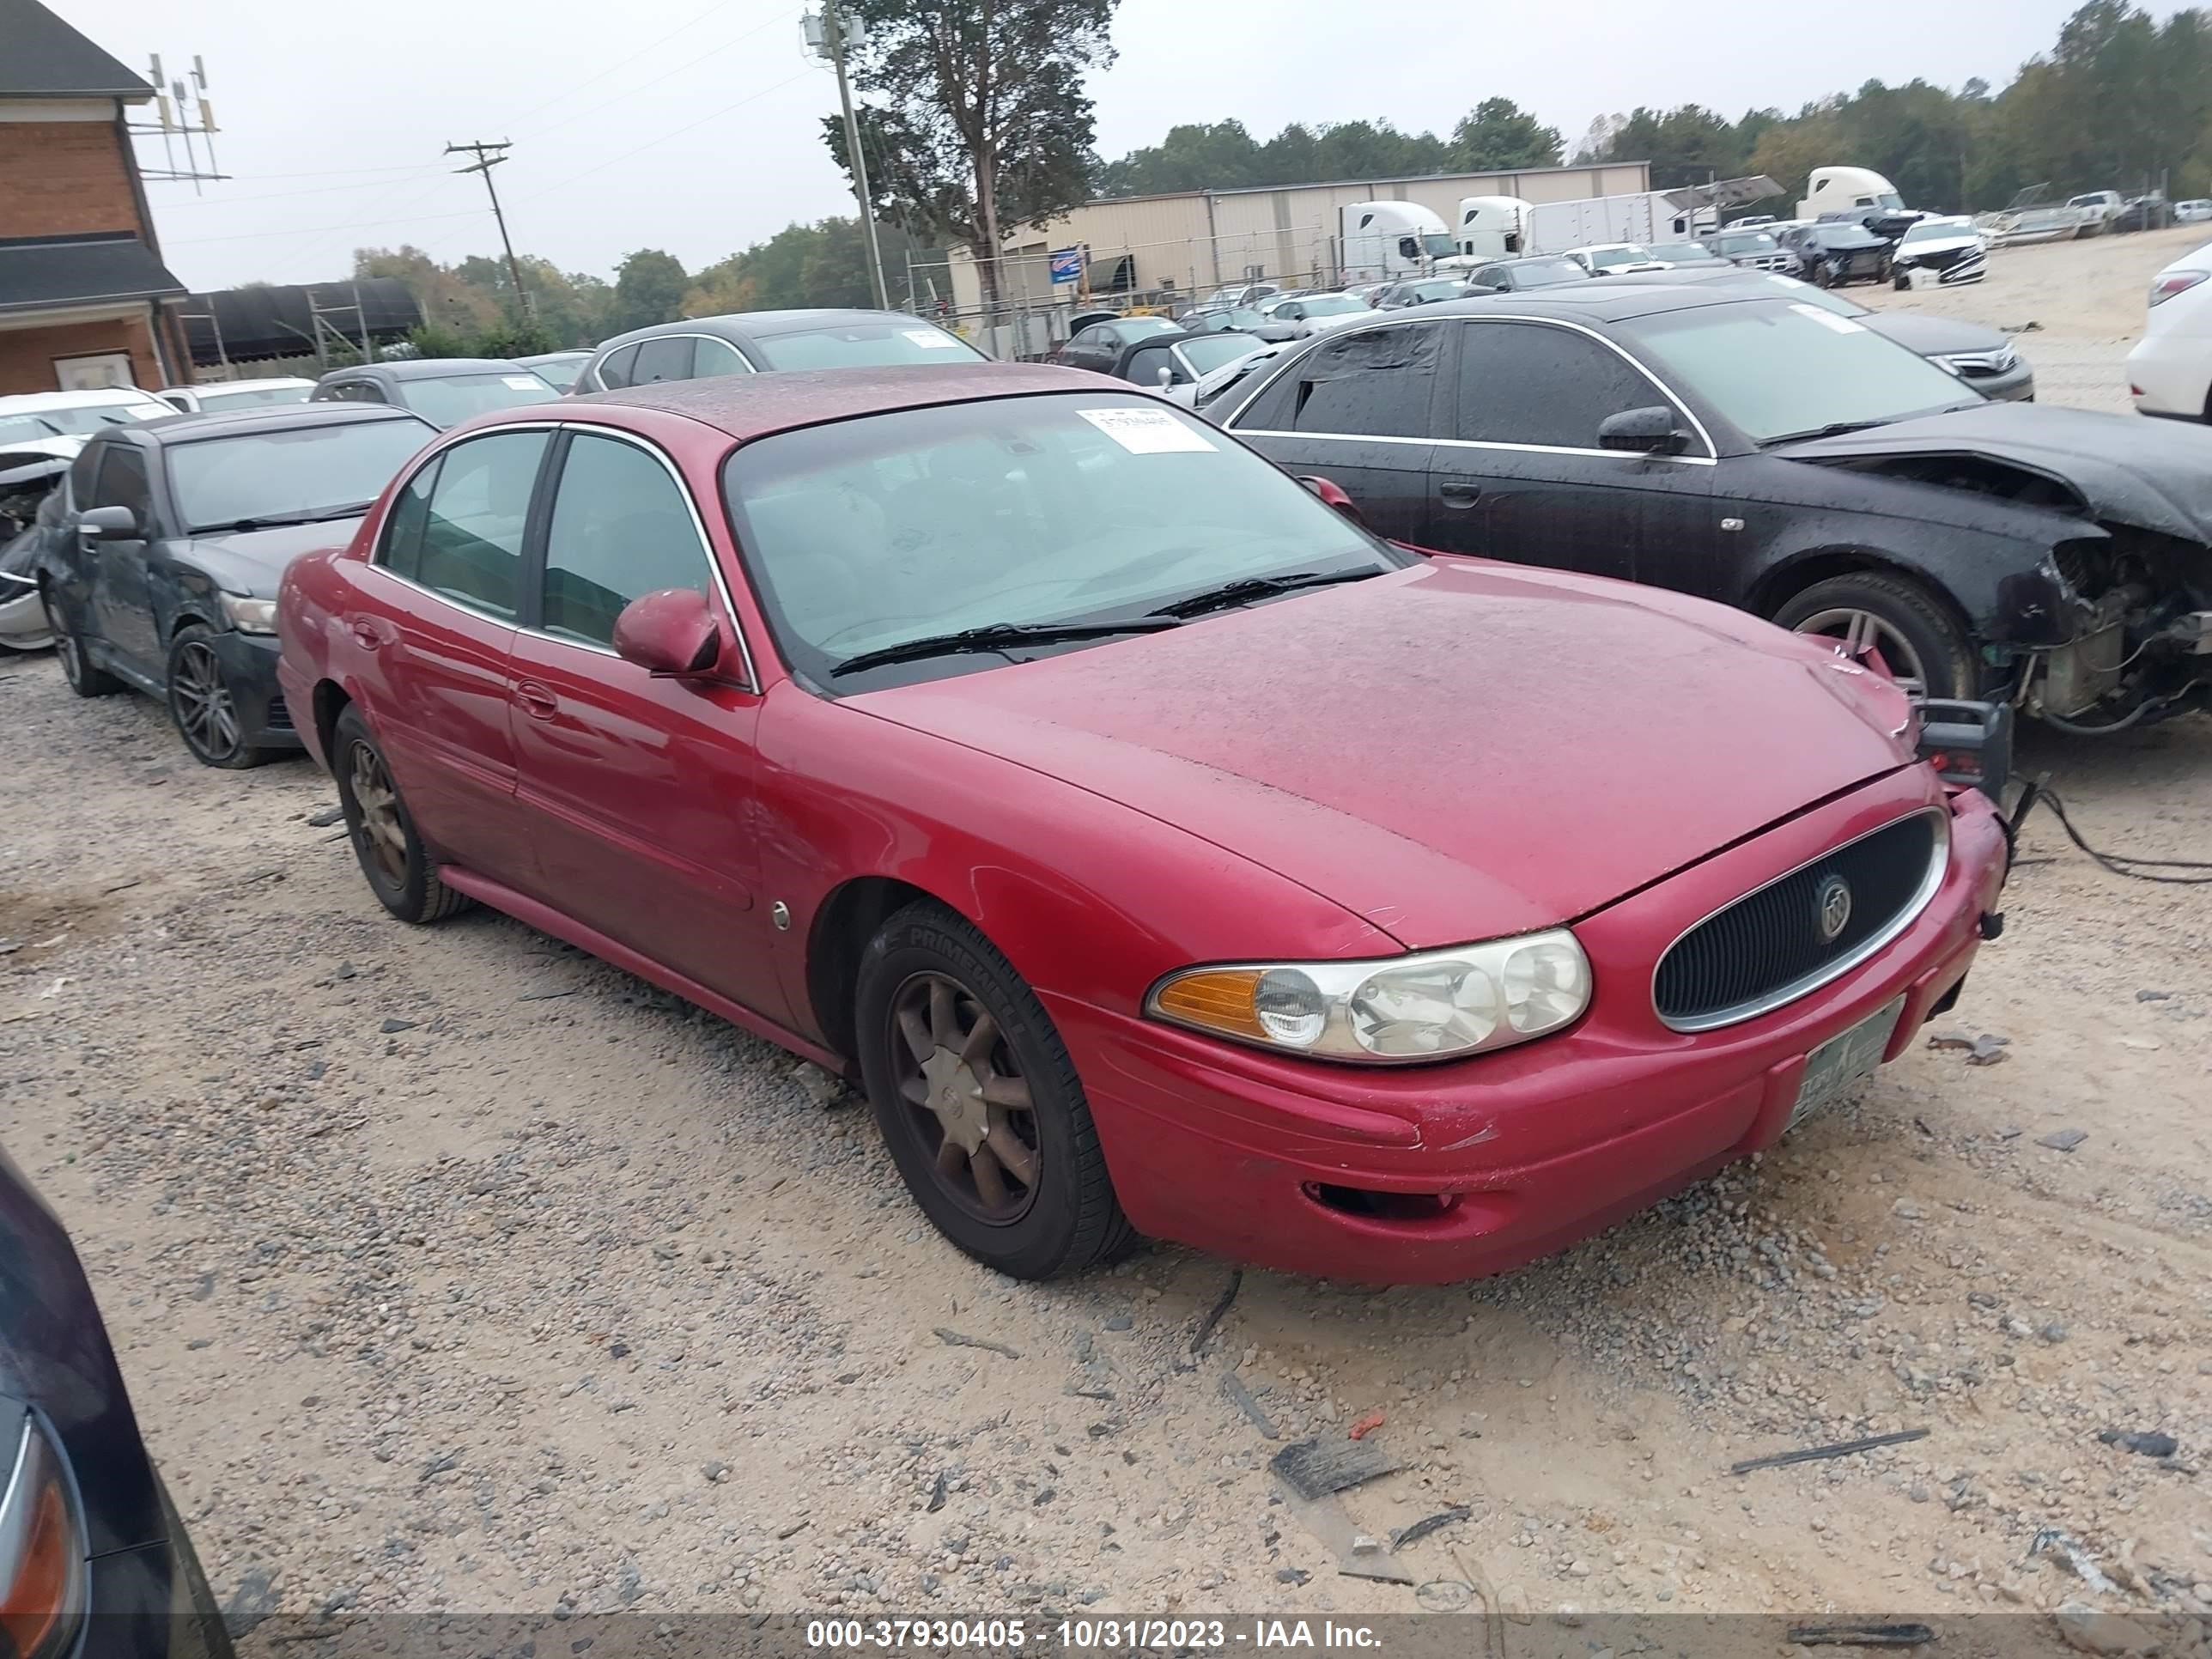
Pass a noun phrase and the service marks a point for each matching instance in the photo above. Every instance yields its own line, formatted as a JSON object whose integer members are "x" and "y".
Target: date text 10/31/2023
{"x": 1086, "y": 1635}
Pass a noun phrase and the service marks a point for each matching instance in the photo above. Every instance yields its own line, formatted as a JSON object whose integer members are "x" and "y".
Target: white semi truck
{"x": 1841, "y": 190}
{"x": 1643, "y": 217}
{"x": 1490, "y": 227}
{"x": 1377, "y": 241}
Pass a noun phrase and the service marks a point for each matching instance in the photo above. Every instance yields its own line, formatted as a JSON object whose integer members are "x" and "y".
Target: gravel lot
{"x": 453, "y": 1270}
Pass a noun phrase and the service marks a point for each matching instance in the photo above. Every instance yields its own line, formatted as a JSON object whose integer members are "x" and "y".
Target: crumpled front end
{"x": 2140, "y": 645}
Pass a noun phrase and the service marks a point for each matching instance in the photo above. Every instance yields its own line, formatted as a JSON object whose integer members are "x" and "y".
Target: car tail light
{"x": 42, "y": 1570}
{"x": 2164, "y": 288}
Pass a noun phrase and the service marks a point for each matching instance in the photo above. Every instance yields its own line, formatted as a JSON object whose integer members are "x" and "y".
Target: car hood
{"x": 2152, "y": 475}
{"x": 1934, "y": 337}
{"x": 1454, "y": 751}
{"x": 253, "y": 560}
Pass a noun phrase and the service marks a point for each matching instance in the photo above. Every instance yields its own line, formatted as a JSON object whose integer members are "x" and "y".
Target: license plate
{"x": 1844, "y": 1062}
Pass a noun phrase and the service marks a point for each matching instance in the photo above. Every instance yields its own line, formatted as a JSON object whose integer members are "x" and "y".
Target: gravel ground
{"x": 451, "y": 1269}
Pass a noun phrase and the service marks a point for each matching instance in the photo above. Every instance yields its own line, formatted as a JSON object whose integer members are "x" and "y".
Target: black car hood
{"x": 54, "y": 1356}
{"x": 253, "y": 560}
{"x": 2152, "y": 475}
{"x": 1934, "y": 337}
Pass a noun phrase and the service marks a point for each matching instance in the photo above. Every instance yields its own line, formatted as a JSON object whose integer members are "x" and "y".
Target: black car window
{"x": 401, "y": 550}
{"x": 1529, "y": 383}
{"x": 123, "y": 483}
{"x": 472, "y": 538}
{"x": 710, "y": 357}
{"x": 1378, "y": 383}
{"x": 82, "y": 470}
{"x": 668, "y": 358}
{"x": 357, "y": 391}
{"x": 621, "y": 528}
{"x": 613, "y": 368}
{"x": 1146, "y": 361}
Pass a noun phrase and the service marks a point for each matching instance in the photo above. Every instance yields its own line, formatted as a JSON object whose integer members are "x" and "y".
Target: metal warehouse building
{"x": 1199, "y": 240}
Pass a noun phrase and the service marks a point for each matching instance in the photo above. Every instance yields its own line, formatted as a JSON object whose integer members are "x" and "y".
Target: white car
{"x": 238, "y": 394}
{"x": 2170, "y": 370}
{"x": 2192, "y": 212}
{"x": 75, "y": 414}
{"x": 1605, "y": 259}
{"x": 1298, "y": 316}
{"x": 1949, "y": 248}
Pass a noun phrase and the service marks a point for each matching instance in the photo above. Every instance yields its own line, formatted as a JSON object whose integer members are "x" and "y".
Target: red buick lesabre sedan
{"x": 1159, "y": 850}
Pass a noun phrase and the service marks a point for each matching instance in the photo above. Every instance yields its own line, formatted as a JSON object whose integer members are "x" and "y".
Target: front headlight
{"x": 250, "y": 615}
{"x": 42, "y": 1551}
{"x": 1434, "y": 1005}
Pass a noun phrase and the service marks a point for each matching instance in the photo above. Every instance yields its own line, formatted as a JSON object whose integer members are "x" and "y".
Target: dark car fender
{"x": 1991, "y": 560}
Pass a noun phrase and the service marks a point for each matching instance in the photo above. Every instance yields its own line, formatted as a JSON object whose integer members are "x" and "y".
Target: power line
{"x": 318, "y": 230}
{"x": 689, "y": 127}
{"x": 488, "y": 157}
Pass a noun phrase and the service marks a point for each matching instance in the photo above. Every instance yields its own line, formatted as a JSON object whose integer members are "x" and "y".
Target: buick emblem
{"x": 1832, "y": 908}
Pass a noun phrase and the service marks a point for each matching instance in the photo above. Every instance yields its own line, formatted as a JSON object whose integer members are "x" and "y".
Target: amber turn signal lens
{"x": 1219, "y": 999}
{"x": 42, "y": 1569}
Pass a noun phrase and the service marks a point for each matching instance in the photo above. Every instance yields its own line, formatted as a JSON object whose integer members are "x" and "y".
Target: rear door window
{"x": 614, "y": 369}
{"x": 479, "y": 507}
{"x": 1380, "y": 383}
{"x": 668, "y": 358}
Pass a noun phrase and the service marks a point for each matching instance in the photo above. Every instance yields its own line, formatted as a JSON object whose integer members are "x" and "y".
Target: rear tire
{"x": 1903, "y": 619}
{"x": 397, "y": 870}
{"x": 77, "y": 669}
{"x": 929, "y": 981}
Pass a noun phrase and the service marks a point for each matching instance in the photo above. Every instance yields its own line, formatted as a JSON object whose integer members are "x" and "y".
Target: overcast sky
{"x": 692, "y": 127}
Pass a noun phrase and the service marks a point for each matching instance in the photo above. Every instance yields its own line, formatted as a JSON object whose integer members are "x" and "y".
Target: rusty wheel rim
{"x": 967, "y": 1103}
{"x": 379, "y": 836}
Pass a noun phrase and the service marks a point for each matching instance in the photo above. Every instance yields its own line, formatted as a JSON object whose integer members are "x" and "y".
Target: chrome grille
{"x": 1770, "y": 946}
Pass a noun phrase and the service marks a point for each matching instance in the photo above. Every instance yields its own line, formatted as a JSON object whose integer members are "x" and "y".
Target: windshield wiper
{"x": 1001, "y": 636}
{"x": 1246, "y": 588}
{"x": 279, "y": 521}
{"x": 1834, "y": 429}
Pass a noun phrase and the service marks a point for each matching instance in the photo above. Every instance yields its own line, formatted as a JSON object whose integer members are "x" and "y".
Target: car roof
{"x": 748, "y": 406}
{"x": 1602, "y": 299}
{"x": 29, "y": 403}
{"x": 267, "y": 417}
{"x": 538, "y": 357}
{"x": 432, "y": 368}
{"x": 738, "y": 327}
{"x": 207, "y": 388}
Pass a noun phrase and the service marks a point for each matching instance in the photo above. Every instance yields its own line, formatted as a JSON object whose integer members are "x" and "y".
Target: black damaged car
{"x": 161, "y": 570}
{"x": 94, "y": 1562}
{"x": 1779, "y": 458}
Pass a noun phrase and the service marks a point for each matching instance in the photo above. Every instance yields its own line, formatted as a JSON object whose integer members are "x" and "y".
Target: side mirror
{"x": 1652, "y": 431}
{"x": 1330, "y": 494}
{"x": 673, "y": 634}
{"x": 1166, "y": 376}
{"x": 108, "y": 524}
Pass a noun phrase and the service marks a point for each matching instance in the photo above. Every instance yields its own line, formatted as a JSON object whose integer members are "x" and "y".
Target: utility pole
{"x": 836, "y": 32}
{"x": 488, "y": 157}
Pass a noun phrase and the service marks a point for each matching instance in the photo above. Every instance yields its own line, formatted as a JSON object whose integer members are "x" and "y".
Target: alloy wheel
{"x": 205, "y": 714}
{"x": 379, "y": 836}
{"x": 1858, "y": 632}
{"x": 968, "y": 1104}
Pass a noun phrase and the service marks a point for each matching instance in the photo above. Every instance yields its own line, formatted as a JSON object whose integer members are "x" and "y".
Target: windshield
{"x": 76, "y": 421}
{"x": 1333, "y": 305}
{"x": 561, "y": 374}
{"x": 1233, "y": 317}
{"x": 1680, "y": 251}
{"x": 867, "y": 533}
{"x": 1237, "y": 373}
{"x": 451, "y": 398}
{"x": 1845, "y": 236}
{"x": 1212, "y": 351}
{"x": 1437, "y": 244}
{"x": 1889, "y": 199}
{"x": 1826, "y": 298}
{"x": 1626, "y": 253}
{"x": 1535, "y": 273}
{"x": 1931, "y": 230}
{"x": 223, "y": 397}
{"x": 308, "y": 472}
{"x": 1783, "y": 370}
{"x": 1757, "y": 242}
{"x": 869, "y": 344}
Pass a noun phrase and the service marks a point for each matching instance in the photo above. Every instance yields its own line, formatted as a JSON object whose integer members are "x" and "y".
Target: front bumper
{"x": 1476, "y": 1167}
{"x": 249, "y": 670}
{"x": 23, "y": 624}
{"x": 2016, "y": 386}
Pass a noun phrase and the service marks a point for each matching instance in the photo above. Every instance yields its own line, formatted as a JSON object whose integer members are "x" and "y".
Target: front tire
{"x": 1920, "y": 642}
{"x": 397, "y": 870}
{"x": 979, "y": 1103}
{"x": 77, "y": 668}
{"x": 201, "y": 704}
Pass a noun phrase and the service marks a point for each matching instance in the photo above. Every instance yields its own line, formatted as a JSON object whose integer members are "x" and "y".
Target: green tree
{"x": 1690, "y": 145}
{"x": 1498, "y": 135}
{"x": 649, "y": 288}
{"x": 825, "y": 264}
{"x": 979, "y": 122}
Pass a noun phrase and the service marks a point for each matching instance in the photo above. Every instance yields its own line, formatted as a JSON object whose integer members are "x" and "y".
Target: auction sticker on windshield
{"x": 1829, "y": 320}
{"x": 1146, "y": 431}
{"x": 932, "y": 338}
{"x": 521, "y": 382}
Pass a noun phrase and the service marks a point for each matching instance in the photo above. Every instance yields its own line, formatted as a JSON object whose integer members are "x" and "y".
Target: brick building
{"x": 85, "y": 299}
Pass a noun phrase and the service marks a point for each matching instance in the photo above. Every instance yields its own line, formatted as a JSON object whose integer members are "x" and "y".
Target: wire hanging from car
{"x": 2036, "y": 793}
